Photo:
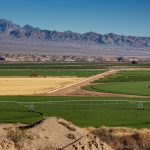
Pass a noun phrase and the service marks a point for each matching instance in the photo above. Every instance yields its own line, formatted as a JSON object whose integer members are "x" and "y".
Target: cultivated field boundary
{"x": 75, "y": 88}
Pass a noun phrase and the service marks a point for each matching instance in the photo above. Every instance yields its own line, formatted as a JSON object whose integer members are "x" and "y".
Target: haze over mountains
{"x": 27, "y": 39}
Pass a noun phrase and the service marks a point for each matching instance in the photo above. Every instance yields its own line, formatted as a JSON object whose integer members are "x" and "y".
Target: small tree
{"x": 33, "y": 74}
{"x": 120, "y": 58}
{"x": 2, "y": 58}
{"x": 134, "y": 62}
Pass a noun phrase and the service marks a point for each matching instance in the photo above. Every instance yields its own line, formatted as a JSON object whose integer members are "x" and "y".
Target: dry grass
{"x": 29, "y": 86}
{"x": 17, "y": 136}
{"x": 124, "y": 138}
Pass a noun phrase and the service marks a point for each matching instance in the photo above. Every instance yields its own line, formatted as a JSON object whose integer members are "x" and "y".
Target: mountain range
{"x": 28, "y": 39}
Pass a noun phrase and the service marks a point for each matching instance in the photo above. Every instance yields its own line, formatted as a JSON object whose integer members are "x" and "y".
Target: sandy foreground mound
{"x": 50, "y": 134}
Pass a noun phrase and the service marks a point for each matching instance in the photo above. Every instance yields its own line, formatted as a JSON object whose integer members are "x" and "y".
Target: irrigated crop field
{"x": 124, "y": 82}
{"x": 30, "y": 79}
{"x": 85, "y": 111}
{"x": 48, "y": 72}
{"x": 44, "y": 70}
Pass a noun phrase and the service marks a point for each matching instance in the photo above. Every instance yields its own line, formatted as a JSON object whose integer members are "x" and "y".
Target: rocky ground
{"x": 18, "y": 57}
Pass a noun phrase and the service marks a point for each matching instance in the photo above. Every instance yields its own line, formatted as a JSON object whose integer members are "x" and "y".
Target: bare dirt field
{"x": 30, "y": 86}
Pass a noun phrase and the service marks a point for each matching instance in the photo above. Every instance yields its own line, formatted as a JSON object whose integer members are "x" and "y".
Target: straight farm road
{"x": 75, "y": 89}
{"x": 67, "y": 90}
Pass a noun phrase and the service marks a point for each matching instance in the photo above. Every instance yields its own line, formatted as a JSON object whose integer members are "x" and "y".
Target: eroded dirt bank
{"x": 54, "y": 133}
{"x": 50, "y": 134}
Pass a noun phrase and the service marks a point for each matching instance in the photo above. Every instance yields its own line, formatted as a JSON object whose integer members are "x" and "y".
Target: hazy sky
{"x": 129, "y": 17}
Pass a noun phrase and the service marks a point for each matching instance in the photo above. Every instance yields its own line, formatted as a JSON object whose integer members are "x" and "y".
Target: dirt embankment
{"x": 58, "y": 134}
{"x": 124, "y": 138}
{"x": 50, "y": 134}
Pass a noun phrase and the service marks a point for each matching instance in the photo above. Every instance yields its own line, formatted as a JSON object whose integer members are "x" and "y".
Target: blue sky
{"x": 128, "y": 17}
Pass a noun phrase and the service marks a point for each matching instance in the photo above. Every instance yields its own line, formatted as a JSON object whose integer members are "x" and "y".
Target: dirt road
{"x": 73, "y": 89}
{"x": 76, "y": 88}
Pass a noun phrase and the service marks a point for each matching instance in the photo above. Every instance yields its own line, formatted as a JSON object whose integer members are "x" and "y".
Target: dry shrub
{"x": 126, "y": 140}
{"x": 68, "y": 126}
{"x": 71, "y": 136}
{"x": 104, "y": 134}
{"x": 33, "y": 75}
{"x": 18, "y": 136}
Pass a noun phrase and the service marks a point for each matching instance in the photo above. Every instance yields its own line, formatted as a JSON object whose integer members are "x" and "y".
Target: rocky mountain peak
{"x": 6, "y": 25}
{"x": 28, "y": 28}
{"x": 111, "y": 41}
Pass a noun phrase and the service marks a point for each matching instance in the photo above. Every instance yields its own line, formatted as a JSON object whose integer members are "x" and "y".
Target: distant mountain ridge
{"x": 14, "y": 33}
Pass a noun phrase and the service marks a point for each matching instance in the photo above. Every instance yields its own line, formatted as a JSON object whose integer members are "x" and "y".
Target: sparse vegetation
{"x": 124, "y": 138}
{"x": 33, "y": 75}
{"x": 17, "y": 136}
